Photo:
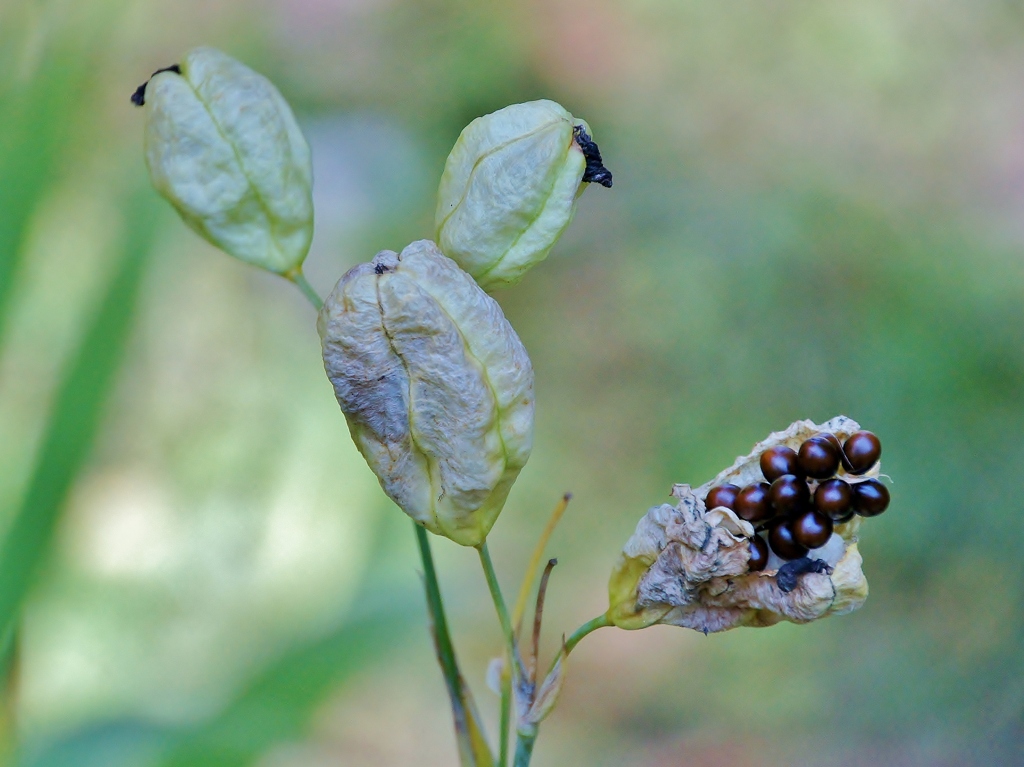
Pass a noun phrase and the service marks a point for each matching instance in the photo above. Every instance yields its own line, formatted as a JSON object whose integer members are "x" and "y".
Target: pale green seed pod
{"x": 686, "y": 565}
{"x": 223, "y": 147}
{"x": 509, "y": 189}
{"x": 435, "y": 385}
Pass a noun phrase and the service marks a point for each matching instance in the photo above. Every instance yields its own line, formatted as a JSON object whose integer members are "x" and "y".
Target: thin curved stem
{"x": 535, "y": 560}
{"x": 599, "y": 622}
{"x": 510, "y": 645}
{"x": 300, "y": 281}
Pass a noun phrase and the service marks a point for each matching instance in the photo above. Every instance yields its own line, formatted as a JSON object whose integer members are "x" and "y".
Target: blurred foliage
{"x": 815, "y": 211}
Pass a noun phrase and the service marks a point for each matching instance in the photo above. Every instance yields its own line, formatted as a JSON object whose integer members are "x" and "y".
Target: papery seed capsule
{"x": 723, "y": 495}
{"x": 789, "y": 494}
{"x": 783, "y": 542}
{"x": 776, "y": 461}
{"x": 752, "y": 503}
{"x": 435, "y": 385}
{"x": 510, "y": 186}
{"x": 758, "y": 553}
{"x": 863, "y": 450}
{"x": 811, "y": 529}
{"x": 223, "y": 147}
{"x": 818, "y": 458}
{"x": 870, "y": 497}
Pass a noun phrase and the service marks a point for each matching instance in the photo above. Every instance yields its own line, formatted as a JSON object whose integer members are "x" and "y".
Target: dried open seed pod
{"x": 223, "y": 147}
{"x": 510, "y": 187}
{"x": 688, "y": 566}
{"x": 436, "y": 387}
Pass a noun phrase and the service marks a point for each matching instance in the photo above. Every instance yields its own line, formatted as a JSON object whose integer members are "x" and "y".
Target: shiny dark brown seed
{"x": 834, "y": 498}
{"x": 789, "y": 494}
{"x": 870, "y": 498}
{"x": 779, "y": 460}
{"x": 782, "y": 542}
{"x": 818, "y": 458}
{"x": 862, "y": 451}
{"x": 758, "y": 553}
{"x": 811, "y": 529}
{"x": 723, "y": 495}
{"x": 752, "y": 503}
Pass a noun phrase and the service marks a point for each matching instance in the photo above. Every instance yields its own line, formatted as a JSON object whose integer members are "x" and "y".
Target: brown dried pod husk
{"x": 686, "y": 565}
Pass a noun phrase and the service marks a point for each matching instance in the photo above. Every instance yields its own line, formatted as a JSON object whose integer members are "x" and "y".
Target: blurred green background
{"x": 816, "y": 211}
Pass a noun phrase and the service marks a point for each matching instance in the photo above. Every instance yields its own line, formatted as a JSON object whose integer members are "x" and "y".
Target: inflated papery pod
{"x": 223, "y": 147}
{"x": 510, "y": 186}
{"x": 435, "y": 384}
{"x": 687, "y": 565}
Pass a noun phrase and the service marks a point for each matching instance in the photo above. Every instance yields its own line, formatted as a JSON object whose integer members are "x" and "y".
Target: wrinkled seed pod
{"x": 223, "y": 147}
{"x": 436, "y": 387}
{"x": 509, "y": 189}
{"x": 686, "y": 565}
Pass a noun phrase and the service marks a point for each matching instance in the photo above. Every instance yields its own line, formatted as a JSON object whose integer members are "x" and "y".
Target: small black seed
{"x": 862, "y": 450}
{"x": 723, "y": 495}
{"x": 782, "y": 542}
{"x": 752, "y": 503}
{"x": 818, "y": 458}
{"x": 779, "y": 460}
{"x": 811, "y": 529}
{"x": 870, "y": 497}
{"x": 789, "y": 494}
{"x": 758, "y": 554}
{"x": 834, "y": 498}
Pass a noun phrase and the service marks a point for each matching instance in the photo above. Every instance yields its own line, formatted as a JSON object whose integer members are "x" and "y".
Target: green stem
{"x": 599, "y": 622}
{"x": 306, "y": 289}
{"x": 524, "y": 750}
{"x": 445, "y": 650}
{"x": 512, "y": 659}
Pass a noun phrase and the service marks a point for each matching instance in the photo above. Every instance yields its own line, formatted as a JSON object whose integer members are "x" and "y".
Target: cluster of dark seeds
{"x": 802, "y": 499}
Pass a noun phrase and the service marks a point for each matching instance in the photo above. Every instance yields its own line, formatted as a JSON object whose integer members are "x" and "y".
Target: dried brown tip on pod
{"x": 723, "y": 495}
{"x": 687, "y": 565}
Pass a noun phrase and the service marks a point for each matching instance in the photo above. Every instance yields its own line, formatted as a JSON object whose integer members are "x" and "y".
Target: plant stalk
{"x": 510, "y": 671}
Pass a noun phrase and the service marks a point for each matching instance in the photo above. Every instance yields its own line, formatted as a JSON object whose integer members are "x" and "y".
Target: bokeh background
{"x": 817, "y": 210}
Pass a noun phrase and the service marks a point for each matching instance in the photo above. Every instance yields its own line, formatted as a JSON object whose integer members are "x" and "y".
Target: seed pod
{"x": 435, "y": 384}
{"x": 688, "y": 566}
{"x": 223, "y": 147}
{"x": 510, "y": 187}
